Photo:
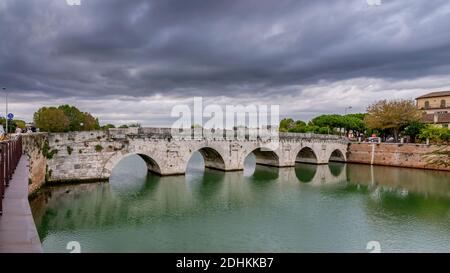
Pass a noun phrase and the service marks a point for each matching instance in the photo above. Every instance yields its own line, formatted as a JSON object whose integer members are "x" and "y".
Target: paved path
{"x": 17, "y": 229}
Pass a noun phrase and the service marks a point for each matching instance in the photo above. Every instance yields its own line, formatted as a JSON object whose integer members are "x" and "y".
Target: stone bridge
{"x": 93, "y": 155}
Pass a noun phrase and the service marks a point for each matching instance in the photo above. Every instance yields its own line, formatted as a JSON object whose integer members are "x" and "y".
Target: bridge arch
{"x": 152, "y": 164}
{"x": 306, "y": 155}
{"x": 337, "y": 156}
{"x": 264, "y": 156}
{"x": 213, "y": 158}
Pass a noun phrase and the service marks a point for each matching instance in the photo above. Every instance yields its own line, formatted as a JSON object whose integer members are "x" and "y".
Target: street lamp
{"x": 6, "y": 114}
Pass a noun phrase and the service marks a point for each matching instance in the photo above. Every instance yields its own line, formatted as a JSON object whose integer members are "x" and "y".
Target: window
{"x": 443, "y": 104}
{"x": 427, "y": 104}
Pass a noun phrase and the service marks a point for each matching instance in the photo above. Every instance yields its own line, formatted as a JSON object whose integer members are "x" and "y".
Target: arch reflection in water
{"x": 265, "y": 173}
{"x": 129, "y": 176}
{"x": 321, "y": 174}
{"x": 305, "y": 172}
{"x": 336, "y": 168}
{"x": 258, "y": 172}
{"x": 203, "y": 183}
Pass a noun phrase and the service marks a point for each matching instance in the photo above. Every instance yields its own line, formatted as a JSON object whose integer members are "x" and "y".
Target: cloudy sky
{"x": 132, "y": 61}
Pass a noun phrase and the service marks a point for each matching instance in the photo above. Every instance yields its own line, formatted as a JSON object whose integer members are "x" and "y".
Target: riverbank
{"x": 394, "y": 154}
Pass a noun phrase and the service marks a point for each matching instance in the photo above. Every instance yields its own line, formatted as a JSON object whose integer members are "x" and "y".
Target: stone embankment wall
{"x": 395, "y": 154}
{"x": 35, "y": 147}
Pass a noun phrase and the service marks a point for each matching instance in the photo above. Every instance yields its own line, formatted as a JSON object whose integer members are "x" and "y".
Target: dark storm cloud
{"x": 208, "y": 48}
{"x": 145, "y": 47}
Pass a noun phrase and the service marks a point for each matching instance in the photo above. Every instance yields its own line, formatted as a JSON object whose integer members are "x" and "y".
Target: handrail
{"x": 10, "y": 153}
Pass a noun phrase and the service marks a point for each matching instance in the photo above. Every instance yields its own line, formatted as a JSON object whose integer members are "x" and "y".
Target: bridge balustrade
{"x": 10, "y": 153}
{"x": 218, "y": 134}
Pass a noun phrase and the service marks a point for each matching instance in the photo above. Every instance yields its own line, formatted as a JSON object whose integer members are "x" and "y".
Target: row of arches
{"x": 213, "y": 159}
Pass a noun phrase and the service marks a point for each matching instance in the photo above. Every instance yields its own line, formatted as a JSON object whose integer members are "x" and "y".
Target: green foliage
{"x": 435, "y": 134}
{"x": 325, "y": 124}
{"x": 98, "y": 148}
{"x": 286, "y": 124}
{"x": 47, "y": 152}
{"x": 76, "y": 118}
{"x": 90, "y": 123}
{"x": 12, "y": 124}
{"x": 414, "y": 129}
{"x": 65, "y": 118}
{"x": 19, "y": 123}
{"x": 351, "y": 122}
{"x": 323, "y": 130}
{"x": 107, "y": 126}
{"x": 51, "y": 119}
{"x": 332, "y": 121}
{"x": 131, "y": 125}
{"x": 289, "y": 125}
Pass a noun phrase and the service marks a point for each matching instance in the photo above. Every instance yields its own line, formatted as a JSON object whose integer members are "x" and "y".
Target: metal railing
{"x": 10, "y": 153}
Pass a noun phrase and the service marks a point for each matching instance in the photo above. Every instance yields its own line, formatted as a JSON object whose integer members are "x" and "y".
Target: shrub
{"x": 435, "y": 134}
{"x": 98, "y": 148}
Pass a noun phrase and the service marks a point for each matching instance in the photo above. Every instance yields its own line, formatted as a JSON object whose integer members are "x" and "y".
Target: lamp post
{"x": 345, "y": 113}
{"x": 6, "y": 114}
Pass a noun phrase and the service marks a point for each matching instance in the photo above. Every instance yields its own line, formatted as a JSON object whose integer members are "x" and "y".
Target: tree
{"x": 414, "y": 129}
{"x": 108, "y": 126}
{"x": 331, "y": 121}
{"x": 394, "y": 115}
{"x": 90, "y": 123}
{"x": 286, "y": 124}
{"x": 51, "y": 119}
{"x": 75, "y": 116}
{"x": 12, "y": 124}
{"x": 20, "y": 123}
{"x": 355, "y": 123}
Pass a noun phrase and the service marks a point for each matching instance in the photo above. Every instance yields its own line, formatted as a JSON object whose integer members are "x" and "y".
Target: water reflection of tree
{"x": 393, "y": 193}
{"x": 424, "y": 182}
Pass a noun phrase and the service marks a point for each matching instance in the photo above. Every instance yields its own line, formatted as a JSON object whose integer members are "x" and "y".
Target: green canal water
{"x": 331, "y": 208}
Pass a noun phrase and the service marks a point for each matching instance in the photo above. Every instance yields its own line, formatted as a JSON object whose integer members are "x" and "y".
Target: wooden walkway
{"x": 17, "y": 229}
